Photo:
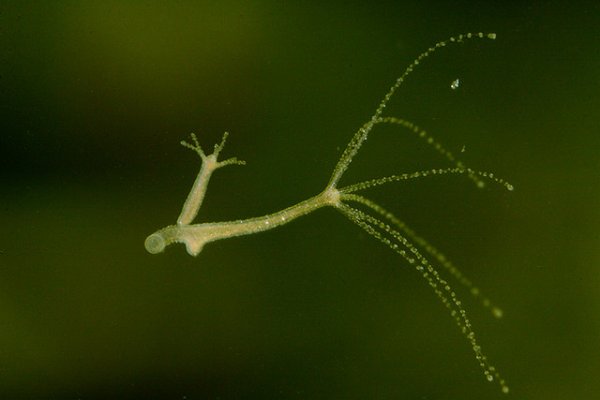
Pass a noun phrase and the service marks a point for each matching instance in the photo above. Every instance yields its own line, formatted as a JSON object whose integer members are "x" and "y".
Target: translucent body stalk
{"x": 196, "y": 236}
{"x": 383, "y": 225}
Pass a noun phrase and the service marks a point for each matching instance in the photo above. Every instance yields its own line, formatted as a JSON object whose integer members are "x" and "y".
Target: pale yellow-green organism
{"x": 374, "y": 219}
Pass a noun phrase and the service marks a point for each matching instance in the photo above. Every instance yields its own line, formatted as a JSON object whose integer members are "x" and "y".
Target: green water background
{"x": 97, "y": 95}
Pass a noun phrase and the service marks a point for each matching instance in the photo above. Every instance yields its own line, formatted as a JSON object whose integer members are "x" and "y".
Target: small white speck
{"x": 455, "y": 84}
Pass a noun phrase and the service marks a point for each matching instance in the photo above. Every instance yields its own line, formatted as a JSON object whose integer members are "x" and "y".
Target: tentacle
{"x": 399, "y": 244}
{"x": 422, "y": 174}
{"x": 431, "y": 141}
{"x": 430, "y": 249}
{"x": 361, "y": 135}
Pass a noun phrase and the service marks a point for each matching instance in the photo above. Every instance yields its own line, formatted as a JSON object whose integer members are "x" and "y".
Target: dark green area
{"x": 95, "y": 97}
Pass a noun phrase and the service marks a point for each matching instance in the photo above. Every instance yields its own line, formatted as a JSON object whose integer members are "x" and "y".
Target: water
{"x": 96, "y": 99}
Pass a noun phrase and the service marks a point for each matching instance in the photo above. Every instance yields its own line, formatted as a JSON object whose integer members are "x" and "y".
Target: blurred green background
{"x": 95, "y": 97}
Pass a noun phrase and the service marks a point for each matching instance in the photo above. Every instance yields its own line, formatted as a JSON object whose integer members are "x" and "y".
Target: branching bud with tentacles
{"x": 374, "y": 219}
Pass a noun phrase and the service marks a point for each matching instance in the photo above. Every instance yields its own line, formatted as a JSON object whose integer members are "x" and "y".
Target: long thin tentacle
{"x": 429, "y": 248}
{"x": 361, "y": 135}
{"x": 399, "y": 244}
{"x": 431, "y": 141}
{"x": 422, "y": 174}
